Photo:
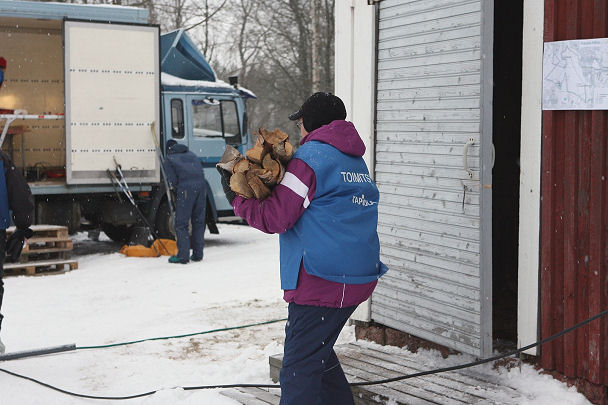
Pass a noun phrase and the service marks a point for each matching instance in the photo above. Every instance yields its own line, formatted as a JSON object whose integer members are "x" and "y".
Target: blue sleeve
{"x": 170, "y": 172}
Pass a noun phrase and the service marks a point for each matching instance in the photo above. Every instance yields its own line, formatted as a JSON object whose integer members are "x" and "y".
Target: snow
{"x": 112, "y": 298}
{"x": 170, "y": 80}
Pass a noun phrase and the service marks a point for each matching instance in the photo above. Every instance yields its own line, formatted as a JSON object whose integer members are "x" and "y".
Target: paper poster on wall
{"x": 575, "y": 75}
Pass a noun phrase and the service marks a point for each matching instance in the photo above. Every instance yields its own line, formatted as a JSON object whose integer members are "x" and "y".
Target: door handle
{"x": 465, "y": 153}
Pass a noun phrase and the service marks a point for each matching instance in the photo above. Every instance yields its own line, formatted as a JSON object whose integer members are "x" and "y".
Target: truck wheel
{"x": 59, "y": 212}
{"x": 118, "y": 233}
{"x": 164, "y": 223}
{"x": 211, "y": 225}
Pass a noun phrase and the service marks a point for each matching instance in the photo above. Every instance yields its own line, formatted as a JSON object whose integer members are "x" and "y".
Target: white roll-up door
{"x": 433, "y": 104}
{"x": 112, "y": 97}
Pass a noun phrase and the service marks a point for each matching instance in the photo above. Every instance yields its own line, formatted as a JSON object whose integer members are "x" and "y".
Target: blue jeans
{"x": 190, "y": 205}
{"x": 311, "y": 373}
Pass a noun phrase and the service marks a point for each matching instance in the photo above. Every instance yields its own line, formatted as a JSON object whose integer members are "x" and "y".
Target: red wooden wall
{"x": 574, "y": 214}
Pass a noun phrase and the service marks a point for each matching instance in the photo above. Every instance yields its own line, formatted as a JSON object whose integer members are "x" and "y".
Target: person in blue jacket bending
{"x": 186, "y": 177}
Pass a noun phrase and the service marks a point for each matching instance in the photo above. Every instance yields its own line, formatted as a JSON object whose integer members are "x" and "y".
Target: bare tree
{"x": 316, "y": 45}
{"x": 270, "y": 47}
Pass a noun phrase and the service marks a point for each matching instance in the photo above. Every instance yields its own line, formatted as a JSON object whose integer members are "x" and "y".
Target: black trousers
{"x": 2, "y": 256}
{"x": 311, "y": 373}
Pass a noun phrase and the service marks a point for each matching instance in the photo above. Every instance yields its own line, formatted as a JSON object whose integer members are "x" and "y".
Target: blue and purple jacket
{"x": 280, "y": 213}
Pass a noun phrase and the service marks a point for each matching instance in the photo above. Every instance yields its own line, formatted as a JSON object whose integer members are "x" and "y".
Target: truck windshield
{"x": 216, "y": 119}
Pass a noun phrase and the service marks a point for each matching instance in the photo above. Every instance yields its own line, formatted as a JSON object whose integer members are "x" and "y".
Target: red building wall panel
{"x": 574, "y": 214}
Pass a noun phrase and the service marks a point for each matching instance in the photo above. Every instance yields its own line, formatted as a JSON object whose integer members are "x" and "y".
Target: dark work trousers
{"x": 2, "y": 255}
{"x": 311, "y": 373}
{"x": 190, "y": 206}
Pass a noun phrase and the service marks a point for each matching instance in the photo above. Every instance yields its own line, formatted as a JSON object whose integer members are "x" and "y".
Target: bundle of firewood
{"x": 262, "y": 167}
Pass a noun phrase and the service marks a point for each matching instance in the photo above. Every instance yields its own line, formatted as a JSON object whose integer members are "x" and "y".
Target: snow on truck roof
{"x": 174, "y": 83}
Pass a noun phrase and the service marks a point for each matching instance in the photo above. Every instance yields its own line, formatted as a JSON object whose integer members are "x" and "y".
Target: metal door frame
{"x": 486, "y": 162}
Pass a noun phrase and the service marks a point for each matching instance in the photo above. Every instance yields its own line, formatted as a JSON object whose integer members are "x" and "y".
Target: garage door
{"x": 433, "y": 168}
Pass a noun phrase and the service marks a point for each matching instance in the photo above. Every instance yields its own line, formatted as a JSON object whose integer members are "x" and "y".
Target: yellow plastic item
{"x": 160, "y": 247}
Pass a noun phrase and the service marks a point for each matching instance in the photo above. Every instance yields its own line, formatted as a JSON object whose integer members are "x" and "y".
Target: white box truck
{"x": 84, "y": 95}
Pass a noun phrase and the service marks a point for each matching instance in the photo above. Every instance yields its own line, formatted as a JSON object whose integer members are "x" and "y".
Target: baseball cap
{"x": 320, "y": 109}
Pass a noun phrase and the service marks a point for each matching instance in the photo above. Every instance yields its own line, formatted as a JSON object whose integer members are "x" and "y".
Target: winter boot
{"x": 195, "y": 258}
{"x": 177, "y": 260}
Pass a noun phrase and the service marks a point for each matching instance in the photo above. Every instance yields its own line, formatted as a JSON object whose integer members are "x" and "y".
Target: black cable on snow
{"x": 384, "y": 381}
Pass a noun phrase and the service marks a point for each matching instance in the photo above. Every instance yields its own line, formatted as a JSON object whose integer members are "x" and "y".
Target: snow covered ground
{"x": 112, "y": 298}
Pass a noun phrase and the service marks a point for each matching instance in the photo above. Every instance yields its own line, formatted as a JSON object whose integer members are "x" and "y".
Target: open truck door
{"x": 112, "y": 99}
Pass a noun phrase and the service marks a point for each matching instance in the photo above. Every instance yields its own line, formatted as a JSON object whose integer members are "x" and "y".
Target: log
{"x": 273, "y": 137}
{"x": 273, "y": 165}
{"x": 256, "y": 154}
{"x": 241, "y": 166}
{"x": 267, "y": 177}
{"x": 262, "y": 167}
{"x": 239, "y": 184}
{"x": 230, "y": 157}
{"x": 283, "y": 151}
{"x": 259, "y": 189}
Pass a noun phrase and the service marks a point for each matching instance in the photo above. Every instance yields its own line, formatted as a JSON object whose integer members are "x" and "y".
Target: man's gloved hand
{"x": 225, "y": 175}
{"x": 14, "y": 244}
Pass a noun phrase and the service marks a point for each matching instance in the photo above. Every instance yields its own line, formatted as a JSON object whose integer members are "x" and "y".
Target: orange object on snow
{"x": 160, "y": 247}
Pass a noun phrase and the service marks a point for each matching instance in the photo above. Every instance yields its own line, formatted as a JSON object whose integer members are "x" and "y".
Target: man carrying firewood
{"x": 15, "y": 195}
{"x": 326, "y": 211}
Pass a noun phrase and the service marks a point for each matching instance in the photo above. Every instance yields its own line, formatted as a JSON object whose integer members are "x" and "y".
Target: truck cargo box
{"x": 103, "y": 77}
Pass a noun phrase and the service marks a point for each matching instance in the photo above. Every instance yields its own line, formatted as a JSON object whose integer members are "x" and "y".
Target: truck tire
{"x": 211, "y": 225}
{"x": 164, "y": 223}
{"x": 59, "y": 212}
{"x": 118, "y": 233}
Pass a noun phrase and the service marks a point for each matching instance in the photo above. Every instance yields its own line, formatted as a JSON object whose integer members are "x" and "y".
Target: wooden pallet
{"x": 365, "y": 363}
{"x": 45, "y": 231}
{"x": 254, "y": 396}
{"x": 48, "y": 251}
{"x": 38, "y": 268}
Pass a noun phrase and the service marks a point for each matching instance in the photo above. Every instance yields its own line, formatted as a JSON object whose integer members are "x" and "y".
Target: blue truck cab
{"x": 200, "y": 111}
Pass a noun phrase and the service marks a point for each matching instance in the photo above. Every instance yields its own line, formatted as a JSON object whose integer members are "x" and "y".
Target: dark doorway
{"x": 508, "y": 25}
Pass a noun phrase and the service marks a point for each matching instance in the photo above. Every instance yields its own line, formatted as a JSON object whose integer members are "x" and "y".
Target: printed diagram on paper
{"x": 575, "y": 75}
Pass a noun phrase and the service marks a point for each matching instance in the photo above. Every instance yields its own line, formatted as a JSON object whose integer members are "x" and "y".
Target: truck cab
{"x": 201, "y": 111}
{"x": 206, "y": 123}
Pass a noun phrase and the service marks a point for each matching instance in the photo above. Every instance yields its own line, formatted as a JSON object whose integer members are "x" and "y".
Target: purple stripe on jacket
{"x": 282, "y": 209}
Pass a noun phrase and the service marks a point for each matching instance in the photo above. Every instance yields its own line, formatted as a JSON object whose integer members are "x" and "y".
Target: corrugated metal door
{"x": 433, "y": 108}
